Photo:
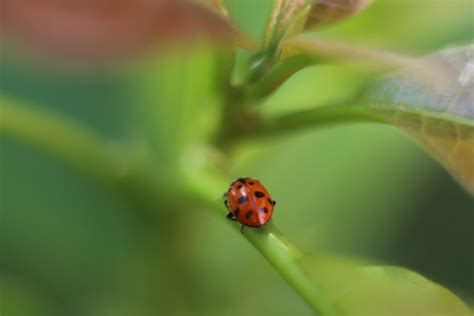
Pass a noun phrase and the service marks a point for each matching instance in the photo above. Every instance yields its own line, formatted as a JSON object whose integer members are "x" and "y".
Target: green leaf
{"x": 356, "y": 288}
{"x": 435, "y": 106}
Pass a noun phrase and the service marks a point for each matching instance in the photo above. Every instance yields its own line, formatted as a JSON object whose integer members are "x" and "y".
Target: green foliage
{"x": 21, "y": 299}
{"x": 361, "y": 289}
{"x": 193, "y": 115}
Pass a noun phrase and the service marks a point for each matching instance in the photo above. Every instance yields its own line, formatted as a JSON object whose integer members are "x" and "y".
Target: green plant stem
{"x": 275, "y": 78}
{"x": 316, "y": 117}
{"x": 62, "y": 137}
{"x": 284, "y": 257}
{"x": 285, "y": 124}
{"x": 84, "y": 149}
{"x": 269, "y": 241}
{"x": 88, "y": 151}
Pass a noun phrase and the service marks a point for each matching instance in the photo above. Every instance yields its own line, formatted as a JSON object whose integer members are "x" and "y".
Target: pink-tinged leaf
{"x": 326, "y": 12}
{"x": 437, "y": 110}
{"x": 431, "y": 98}
{"x": 334, "y": 51}
{"x": 102, "y": 30}
{"x": 216, "y": 5}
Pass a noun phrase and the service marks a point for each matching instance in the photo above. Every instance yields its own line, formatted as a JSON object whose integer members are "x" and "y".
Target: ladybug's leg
{"x": 231, "y": 216}
{"x": 241, "y": 229}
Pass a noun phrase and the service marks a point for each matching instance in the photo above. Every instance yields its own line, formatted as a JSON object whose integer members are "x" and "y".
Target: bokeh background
{"x": 70, "y": 245}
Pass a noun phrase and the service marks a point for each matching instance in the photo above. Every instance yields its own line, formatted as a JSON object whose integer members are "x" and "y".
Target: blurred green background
{"x": 70, "y": 245}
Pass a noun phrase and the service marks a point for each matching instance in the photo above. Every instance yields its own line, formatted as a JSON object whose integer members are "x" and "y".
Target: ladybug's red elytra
{"x": 249, "y": 202}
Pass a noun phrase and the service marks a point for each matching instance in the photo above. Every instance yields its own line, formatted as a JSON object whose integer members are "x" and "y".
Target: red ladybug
{"x": 249, "y": 202}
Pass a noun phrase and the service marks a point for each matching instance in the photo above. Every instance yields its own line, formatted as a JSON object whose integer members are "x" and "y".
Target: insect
{"x": 249, "y": 203}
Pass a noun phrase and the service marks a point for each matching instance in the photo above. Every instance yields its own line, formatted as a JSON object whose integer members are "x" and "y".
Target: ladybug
{"x": 249, "y": 203}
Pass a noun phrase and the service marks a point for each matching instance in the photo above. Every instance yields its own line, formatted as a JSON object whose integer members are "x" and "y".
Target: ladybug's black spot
{"x": 259, "y": 194}
{"x": 274, "y": 202}
{"x": 248, "y": 214}
{"x": 236, "y": 212}
{"x": 239, "y": 187}
{"x": 251, "y": 183}
{"x": 263, "y": 209}
{"x": 242, "y": 199}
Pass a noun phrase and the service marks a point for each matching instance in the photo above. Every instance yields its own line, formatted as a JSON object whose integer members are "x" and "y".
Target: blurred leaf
{"x": 249, "y": 16}
{"x": 101, "y": 30}
{"x": 290, "y": 17}
{"x": 66, "y": 137}
{"x": 325, "y": 12}
{"x": 357, "y": 289}
{"x": 176, "y": 99}
{"x": 19, "y": 298}
{"x": 420, "y": 26}
{"x": 216, "y": 5}
{"x": 287, "y": 18}
{"x": 301, "y": 52}
{"x": 431, "y": 98}
{"x": 339, "y": 51}
{"x": 436, "y": 108}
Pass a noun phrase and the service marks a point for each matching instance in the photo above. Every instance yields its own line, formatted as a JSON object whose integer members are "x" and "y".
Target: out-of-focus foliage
{"x": 436, "y": 106}
{"x": 328, "y": 12}
{"x": 101, "y": 30}
{"x": 431, "y": 98}
{"x": 361, "y": 289}
{"x": 71, "y": 245}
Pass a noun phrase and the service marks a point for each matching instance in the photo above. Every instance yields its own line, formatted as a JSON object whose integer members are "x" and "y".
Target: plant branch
{"x": 284, "y": 124}
{"x": 277, "y": 76}
{"x": 343, "y": 51}
{"x": 269, "y": 241}
{"x": 60, "y": 136}
{"x": 317, "y": 117}
{"x": 78, "y": 145}
{"x": 120, "y": 166}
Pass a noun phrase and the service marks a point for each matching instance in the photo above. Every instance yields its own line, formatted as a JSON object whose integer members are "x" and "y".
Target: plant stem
{"x": 324, "y": 116}
{"x": 60, "y": 136}
{"x": 284, "y": 257}
{"x": 316, "y": 117}
{"x": 269, "y": 241}
{"x": 276, "y": 77}
{"x": 87, "y": 150}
